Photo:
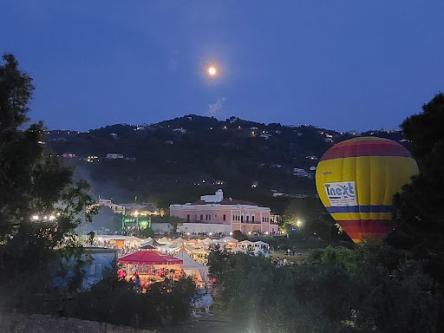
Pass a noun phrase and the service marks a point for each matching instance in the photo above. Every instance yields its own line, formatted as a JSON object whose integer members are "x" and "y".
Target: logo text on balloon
{"x": 341, "y": 193}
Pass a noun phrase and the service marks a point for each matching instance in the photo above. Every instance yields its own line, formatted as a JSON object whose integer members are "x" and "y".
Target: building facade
{"x": 214, "y": 213}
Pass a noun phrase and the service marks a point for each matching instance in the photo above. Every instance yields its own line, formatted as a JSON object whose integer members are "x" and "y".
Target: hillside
{"x": 177, "y": 160}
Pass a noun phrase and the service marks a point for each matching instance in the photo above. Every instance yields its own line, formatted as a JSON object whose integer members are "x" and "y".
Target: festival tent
{"x": 149, "y": 241}
{"x": 148, "y": 247}
{"x": 150, "y": 266}
{"x": 228, "y": 239}
{"x": 164, "y": 240}
{"x": 192, "y": 267}
{"x": 178, "y": 241}
{"x": 169, "y": 248}
{"x": 118, "y": 241}
{"x": 207, "y": 242}
{"x": 149, "y": 258}
{"x": 261, "y": 244}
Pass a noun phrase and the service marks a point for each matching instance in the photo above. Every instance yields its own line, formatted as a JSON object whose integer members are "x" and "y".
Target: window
{"x": 224, "y": 217}
{"x": 188, "y": 218}
{"x": 248, "y": 218}
{"x": 252, "y": 218}
{"x": 242, "y": 218}
{"x": 201, "y": 217}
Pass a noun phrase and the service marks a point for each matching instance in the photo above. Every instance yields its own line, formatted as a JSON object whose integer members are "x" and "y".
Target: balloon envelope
{"x": 356, "y": 180}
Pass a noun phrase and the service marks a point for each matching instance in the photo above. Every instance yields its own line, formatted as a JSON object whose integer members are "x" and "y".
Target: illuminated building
{"x": 216, "y": 214}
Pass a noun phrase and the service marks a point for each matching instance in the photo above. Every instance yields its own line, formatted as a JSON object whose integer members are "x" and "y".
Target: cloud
{"x": 216, "y": 108}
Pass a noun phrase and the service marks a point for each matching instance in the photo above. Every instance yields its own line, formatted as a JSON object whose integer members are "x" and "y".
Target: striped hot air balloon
{"x": 356, "y": 180}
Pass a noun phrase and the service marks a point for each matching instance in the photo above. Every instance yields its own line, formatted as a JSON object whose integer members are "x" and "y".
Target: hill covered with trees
{"x": 180, "y": 159}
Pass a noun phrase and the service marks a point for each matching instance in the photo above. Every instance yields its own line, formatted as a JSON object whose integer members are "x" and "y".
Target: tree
{"x": 115, "y": 301}
{"x": 419, "y": 216}
{"x": 145, "y": 233}
{"x": 175, "y": 221}
{"x": 239, "y": 235}
{"x": 334, "y": 290}
{"x": 39, "y": 203}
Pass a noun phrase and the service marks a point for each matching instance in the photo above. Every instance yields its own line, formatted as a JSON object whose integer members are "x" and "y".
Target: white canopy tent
{"x": 192, "y": 267}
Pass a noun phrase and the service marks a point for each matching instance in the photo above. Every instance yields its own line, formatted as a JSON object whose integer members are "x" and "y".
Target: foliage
{"x": 117, "y": 302}
{"x": 335, "y": 290}
{"x": 145, "y": 233}
{"x": 32, "y": 183}
{"x": 419, "y": 218}
{"x": 204, "y": 152}
{"x": 239, "y": 235}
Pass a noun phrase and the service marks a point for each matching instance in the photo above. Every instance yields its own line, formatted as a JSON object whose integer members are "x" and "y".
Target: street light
{"x": 299, "y": 223}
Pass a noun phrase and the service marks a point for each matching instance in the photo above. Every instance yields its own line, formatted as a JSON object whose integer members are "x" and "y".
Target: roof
{"x": 225, "y": 202}
{"x": 118, "y": 237}
{"x": 188, "y": 262}
{"x": 148, "y": 247}
{"x": 149, "y": 258}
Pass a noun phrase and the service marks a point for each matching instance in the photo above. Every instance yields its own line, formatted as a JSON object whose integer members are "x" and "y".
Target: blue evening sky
{"x": 340, "y": 64}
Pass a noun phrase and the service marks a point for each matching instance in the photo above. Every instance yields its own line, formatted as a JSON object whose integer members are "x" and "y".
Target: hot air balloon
{"x": 356, "y": 180}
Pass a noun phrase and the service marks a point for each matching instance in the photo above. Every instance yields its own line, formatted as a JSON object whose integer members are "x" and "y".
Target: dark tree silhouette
{"x": 39, "y": 204}
{"x": 419, "y": 215}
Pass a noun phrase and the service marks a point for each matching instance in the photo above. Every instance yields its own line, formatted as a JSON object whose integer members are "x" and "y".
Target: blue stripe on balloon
{"x": 360, "y": 209}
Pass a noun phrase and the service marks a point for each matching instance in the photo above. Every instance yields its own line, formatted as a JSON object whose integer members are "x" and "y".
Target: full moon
{"x": 212, "y": 71}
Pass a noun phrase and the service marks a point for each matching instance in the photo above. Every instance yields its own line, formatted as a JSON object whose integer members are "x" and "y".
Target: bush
{"x": 334, "y": 290}
{"x": 238, "y": 235}
{"x": 117, "y": 302}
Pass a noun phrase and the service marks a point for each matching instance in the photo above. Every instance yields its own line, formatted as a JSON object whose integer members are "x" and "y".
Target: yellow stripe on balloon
{"x": 377, "y": 178}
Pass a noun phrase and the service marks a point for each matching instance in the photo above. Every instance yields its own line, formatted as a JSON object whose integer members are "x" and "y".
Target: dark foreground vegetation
{"x": 40, "y": 206}
{"x": 369, "y": 289}
{"x": 117, "y": 302}
{"x": 393, "y": 286}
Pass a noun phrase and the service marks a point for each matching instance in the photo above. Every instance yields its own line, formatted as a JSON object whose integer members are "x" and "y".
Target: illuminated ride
{"x": 356, "y": 180}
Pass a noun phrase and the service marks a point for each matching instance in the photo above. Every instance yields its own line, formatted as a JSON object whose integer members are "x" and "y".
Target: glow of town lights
{"x": 299, "y": 223}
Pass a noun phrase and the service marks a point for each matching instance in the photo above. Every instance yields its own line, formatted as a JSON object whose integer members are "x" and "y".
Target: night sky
{"x": 340, "y": 64}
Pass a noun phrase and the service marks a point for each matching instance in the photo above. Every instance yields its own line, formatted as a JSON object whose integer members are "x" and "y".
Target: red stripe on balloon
{"x": 365, "y": 147}
{"x": 366, "y": 229}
